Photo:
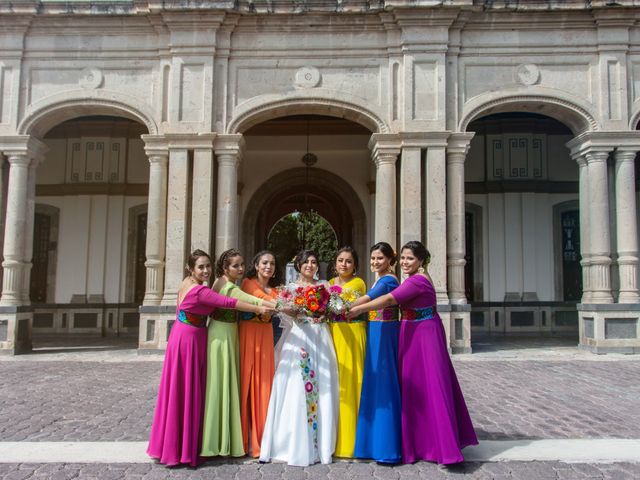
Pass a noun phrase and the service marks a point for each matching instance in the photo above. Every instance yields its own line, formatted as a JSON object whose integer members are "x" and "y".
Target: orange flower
{"x": 299, "y": 301}
{"x": 314, "y": 306}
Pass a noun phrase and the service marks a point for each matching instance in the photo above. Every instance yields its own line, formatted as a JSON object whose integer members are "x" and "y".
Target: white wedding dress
{"x": 303, "y": 408}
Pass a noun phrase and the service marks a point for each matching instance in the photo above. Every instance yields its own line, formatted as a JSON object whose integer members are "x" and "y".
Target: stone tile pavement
{"x": 109, "y": 396}
{"x": 111, "y": 401}
{"x": 233, "y": 469}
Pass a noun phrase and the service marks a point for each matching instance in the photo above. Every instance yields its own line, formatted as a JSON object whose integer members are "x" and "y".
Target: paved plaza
{"x": 95, "y": 393}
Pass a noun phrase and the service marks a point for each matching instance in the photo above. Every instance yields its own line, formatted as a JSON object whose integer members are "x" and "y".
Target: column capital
{"x": 626, "y": 154}
{"x": 155, "y": 145}
{"x": 385, "y": 148}
{"x": 161, "y": 159}
{"x": 459, "y": 143}
{"x": 229, "y": 144}
{"x": 597, "y": 156}
{"x": 23, "y": 146}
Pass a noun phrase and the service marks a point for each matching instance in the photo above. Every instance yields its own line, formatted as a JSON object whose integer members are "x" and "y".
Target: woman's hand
{"x": 288, "y": 311}
{"x": 262, "y": 309}
{"x": 354, "y": 312}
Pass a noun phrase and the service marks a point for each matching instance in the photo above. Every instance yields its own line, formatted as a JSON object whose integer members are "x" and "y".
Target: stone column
{"x": 456, "y": 154}
{"x": 28, "y": 231}
{"x": 176, "y": 238}
{"x": 202, "y": 200}
{"x": 385, "y": 155}
{"x": 156, "y": 227}
{"x": 584, "y": 227}
{"x": 228, "y": 149}
{"x": 626, "y": 225}
{"x": 14, "y": 264}
{"x": 599, "y": 232}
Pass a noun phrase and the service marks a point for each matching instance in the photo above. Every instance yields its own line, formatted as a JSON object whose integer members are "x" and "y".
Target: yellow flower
{"x": 348, "y": 296}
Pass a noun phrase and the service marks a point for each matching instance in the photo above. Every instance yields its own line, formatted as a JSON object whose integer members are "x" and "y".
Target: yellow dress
{"x": 349, "y": 339}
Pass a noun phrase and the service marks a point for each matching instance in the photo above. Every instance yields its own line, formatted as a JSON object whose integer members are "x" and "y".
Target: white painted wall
{"x": 518, "y": 247}
{"x": 92, "y": 245}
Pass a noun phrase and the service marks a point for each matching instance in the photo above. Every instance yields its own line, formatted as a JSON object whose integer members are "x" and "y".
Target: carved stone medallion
{"x": 527, "y": 74}
{"x": 307, "y": 77}
{"x": 91, "y": 78}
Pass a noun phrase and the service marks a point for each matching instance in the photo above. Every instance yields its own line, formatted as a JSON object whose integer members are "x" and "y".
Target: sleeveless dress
{"x": 257, "y": 367}
{"x": 222, "y": 431}
{"x": 301, "y": 420}
{"x": 435, "y": 420}
{"x": 176, "y": 431}
{"x": 350, "y": 341}
{"x": 378, "y": 434}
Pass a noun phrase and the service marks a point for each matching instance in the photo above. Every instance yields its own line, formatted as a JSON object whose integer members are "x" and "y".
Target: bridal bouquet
{"x": 314, "y": 303}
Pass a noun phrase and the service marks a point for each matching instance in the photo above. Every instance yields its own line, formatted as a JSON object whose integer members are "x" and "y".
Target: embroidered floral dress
{"x": 303, "y": 408}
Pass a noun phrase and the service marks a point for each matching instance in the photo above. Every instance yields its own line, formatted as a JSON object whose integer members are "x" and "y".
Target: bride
{"x": 303, "y": 408}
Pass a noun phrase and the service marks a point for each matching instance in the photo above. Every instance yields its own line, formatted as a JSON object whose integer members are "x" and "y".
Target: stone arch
{"x": 262, "y": 212}
{"x": 59, "y": 108}
{"x": 570, "y": 112}
{"x": 635, "y": 116}
{"x": 266, "y": 107}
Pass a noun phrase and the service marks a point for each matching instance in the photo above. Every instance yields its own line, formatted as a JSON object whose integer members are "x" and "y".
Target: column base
{"x": 609, "y": 328}
{"x": 456, "y": 320}
{"x": 155, "y": 327}
{"x": 16, "y": 327}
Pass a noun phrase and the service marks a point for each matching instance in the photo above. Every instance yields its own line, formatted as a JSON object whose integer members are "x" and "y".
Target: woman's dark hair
{"x": 225, "y": 260}
{"x": 419, "y": 250}
{"x": 354, "y": 255}
{"x": 302, "y": 257}
{"x": 252, "y": 272}
{"x": 193, "y": 258}
{"x": 386, "y": 250}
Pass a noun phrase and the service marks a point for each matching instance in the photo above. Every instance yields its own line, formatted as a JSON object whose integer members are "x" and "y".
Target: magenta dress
{"x": 176, "y": 432}
{"x": 435, "y": 421}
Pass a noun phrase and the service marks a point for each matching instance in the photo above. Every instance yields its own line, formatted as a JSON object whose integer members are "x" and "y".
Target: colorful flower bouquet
{"x": 315, "y": 303}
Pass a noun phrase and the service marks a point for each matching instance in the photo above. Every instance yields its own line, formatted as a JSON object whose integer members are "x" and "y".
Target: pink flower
{"x": 308, "y": 387}
{"x": 335, "y": 289}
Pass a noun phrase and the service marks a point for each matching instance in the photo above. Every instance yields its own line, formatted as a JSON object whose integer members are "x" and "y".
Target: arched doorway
{"x": 522, "y": 191}
{"x": 336, "y": 187}
{"x": 297, "y": 231}
{"x": 89, "y": 232}
{"x": 326, "y": 194}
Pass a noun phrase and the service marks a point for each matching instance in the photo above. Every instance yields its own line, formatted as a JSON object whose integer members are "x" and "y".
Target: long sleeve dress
{"x": 257, "y": 367}
{"x": 222, "y": 430}
{"x": 378, "y": 434}
{"x": 350, "y": 341}
{"x": 435, "y": 421}
{"x": 176, "y": 431}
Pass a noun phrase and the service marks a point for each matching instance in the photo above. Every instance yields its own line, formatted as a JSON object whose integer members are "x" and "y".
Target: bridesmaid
{"x": 435, "y": 422}
{"x": 222, "y": 431}
{"x": 349, "y": 339}
{"x": 176, "y": 431}
{"x": 257, "y": 365}
{"x": 378, "y": 434}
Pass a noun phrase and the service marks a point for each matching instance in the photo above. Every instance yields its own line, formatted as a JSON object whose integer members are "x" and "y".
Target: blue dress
{"x": 378, "y": 432}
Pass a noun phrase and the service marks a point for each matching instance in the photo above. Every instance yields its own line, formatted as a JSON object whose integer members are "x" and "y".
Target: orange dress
{"x": 257, "y": 367}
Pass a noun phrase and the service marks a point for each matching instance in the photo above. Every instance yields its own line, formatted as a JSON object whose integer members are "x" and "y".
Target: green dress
{"x": 221, "y": 428}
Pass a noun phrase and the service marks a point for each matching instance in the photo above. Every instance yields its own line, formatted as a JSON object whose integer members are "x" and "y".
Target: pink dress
{"x": 435, "y": 421}
{"x": 176, "y": 432}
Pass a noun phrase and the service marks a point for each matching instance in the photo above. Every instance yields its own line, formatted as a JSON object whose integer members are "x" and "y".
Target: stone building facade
{"x": 502, "y": 134}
